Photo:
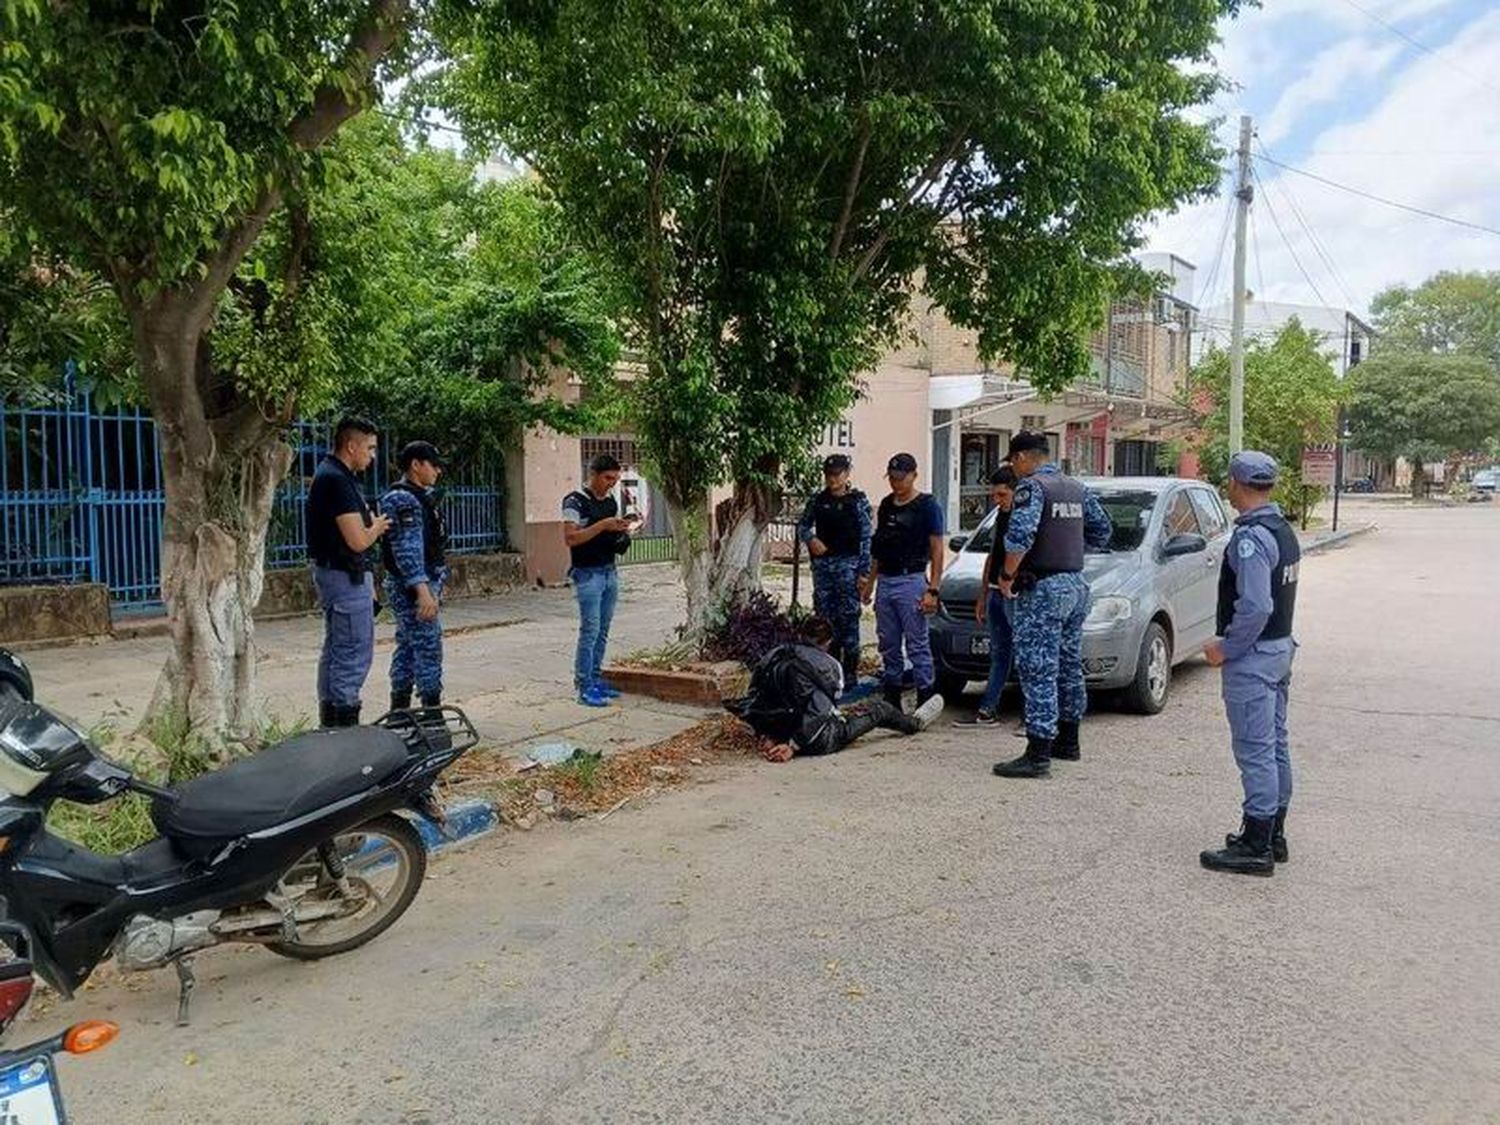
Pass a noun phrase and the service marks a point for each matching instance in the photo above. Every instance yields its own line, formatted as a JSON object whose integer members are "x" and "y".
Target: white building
{"x": 1346, "y": 337}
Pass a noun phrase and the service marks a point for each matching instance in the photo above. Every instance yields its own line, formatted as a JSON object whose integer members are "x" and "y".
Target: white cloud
{"x": 1327, "y": 78}
{"x": 1437, "y": 111}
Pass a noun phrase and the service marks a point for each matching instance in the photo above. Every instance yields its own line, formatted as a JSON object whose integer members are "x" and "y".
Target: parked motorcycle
{"x": 300, "y": 848}
{"x": 29, "y": 1091}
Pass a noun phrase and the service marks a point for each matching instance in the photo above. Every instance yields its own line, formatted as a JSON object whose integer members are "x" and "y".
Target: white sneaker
{"x": 927, "y": 714}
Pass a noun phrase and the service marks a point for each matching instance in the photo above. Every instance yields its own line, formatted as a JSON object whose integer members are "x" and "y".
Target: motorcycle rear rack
{"x": 432, "y": 730}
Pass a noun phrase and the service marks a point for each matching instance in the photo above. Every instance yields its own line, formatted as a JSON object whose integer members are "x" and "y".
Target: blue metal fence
{"x": 81, "y": 499}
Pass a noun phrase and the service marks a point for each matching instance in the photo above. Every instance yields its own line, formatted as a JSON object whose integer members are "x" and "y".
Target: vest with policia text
{"x": 1283, "y": 577}
{"x": 836, "y": 521}
{"x": 434, "y": 533}
{"x": 1058, "y": 547}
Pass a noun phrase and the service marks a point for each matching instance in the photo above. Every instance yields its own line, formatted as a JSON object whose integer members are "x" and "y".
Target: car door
{"x": 1186, "y": 579}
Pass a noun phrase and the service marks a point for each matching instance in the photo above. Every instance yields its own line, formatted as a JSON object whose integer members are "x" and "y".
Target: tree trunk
{"x": 720, "y": 553}
{"x": 1418, "y": 480}
{"x": 220, "y": 476}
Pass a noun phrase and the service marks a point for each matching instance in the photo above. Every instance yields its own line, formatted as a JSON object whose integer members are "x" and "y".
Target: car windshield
{"x": 1130, "y": 512}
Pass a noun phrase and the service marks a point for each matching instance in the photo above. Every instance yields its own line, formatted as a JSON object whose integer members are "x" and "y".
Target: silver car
{"x": 1155, "y": 590}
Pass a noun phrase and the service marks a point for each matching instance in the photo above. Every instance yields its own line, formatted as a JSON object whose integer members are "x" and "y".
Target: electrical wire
{"x": 1381, "y": 199}
{"x": 1419, "y": 45}
{"x": 1260, "y": 274}
{"x": 1312, "y": 236}
{"x": 1271, "y": 211}
{"x": 1206, "y": 290}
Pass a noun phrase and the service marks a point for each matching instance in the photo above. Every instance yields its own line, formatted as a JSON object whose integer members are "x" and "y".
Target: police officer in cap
{"x": 1257, "y": 596}
{"x": 415, "y": 555}
{"x": 1052, "y": 519}
{"x": 836, "y": 525}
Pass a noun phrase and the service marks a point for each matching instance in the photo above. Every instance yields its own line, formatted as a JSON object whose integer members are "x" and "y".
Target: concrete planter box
{"x": 53, "y": 613}
{"x": 705, "y": 684}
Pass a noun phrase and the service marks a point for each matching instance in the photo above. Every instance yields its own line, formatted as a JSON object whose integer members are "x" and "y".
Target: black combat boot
{"x": 892, "y": 695}
{"x": 326, "y": 713}
{"x": 432, "y": 699}
{"x": 851, "y": 670}
{"x": 1250, "y": 854}
{"x": 401, "y": 700}
{"x": 345, "y": 716}
{"x": 1065, "y": 745}
{"x": 1036, "y": 762}
{"x": 1278, "y": 837}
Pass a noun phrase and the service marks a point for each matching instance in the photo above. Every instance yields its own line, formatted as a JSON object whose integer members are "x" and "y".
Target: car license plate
{"x": 29, "y": 1094}
{"x": 979, "y": 646}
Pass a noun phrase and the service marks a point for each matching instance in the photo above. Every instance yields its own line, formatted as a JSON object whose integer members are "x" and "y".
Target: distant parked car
{"x": 1486, "y": 480}
{"x": 1155, "y": 591}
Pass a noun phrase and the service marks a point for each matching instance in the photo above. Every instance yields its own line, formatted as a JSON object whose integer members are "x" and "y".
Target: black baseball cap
{"x": 420, "y": 451}
{"x": 836, "y": 463}
{"x": 901, "y": 463}
{"x": 1027, "y": 441}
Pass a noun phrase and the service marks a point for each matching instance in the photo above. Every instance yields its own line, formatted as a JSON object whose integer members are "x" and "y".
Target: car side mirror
{"x": 957, "y": 542}
{"x": 1184, "y": 543}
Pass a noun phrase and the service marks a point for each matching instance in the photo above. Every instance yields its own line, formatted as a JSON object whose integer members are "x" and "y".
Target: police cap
{"x": 1027, "y": 441}
{"x": 836, "y": 463}
{"x": 901, "y": 463}
{"x": 1252, "y": 467}
{"x": 419, "y": 451}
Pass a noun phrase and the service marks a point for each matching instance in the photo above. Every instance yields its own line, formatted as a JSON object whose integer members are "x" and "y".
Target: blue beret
{"x": 1252, "y": 467}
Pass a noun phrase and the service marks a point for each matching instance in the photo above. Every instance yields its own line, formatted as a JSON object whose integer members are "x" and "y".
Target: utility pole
{"x": 1243, "y": 194}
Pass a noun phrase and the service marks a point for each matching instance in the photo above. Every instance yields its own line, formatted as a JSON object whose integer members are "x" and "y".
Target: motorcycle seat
{"x": 280, "y": 783}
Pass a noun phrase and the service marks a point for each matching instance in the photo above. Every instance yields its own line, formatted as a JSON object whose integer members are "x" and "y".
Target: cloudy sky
{"x": 1399, "y": 98}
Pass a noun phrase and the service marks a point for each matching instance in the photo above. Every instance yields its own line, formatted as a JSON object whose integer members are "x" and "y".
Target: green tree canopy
{"x": 1448, "y": 314}
{"x": 771, "y": 176}
{"x": 1292, "y": 397}
{"x": 1424, "y": 407}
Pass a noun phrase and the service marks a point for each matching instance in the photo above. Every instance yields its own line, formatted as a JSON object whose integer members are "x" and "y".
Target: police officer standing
{"x": 836, "y": 526}
{"x": 340, "y": 532}
{"x": 415, "y": 553}
{"x": 1257, "y": 596}
{"x": 1052, "y": 519}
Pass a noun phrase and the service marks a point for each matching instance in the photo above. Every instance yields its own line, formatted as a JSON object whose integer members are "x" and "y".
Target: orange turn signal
{"x": 88, "y": 1036}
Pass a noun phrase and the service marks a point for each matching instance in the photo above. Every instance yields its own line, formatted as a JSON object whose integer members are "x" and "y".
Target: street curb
{"x": 1339, "y": 537}
{"x": 467, "y": 820}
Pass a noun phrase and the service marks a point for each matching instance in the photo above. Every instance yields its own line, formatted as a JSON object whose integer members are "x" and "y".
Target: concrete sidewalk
{"x": 508, "y": 663}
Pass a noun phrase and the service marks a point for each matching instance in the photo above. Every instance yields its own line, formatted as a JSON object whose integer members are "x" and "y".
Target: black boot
{"x": 851, "y": 670}
{"x": 1250, "y": 854}
{"x": 345, "y": 716}
{"x": 925, "y": 693}
{"x": 892, "y": 695}
{"x": 1065, "y": 745}
{"x": 1036, "y": 762}
{"x": 432, "y": 699}
{"x": 326, "y": 713}
{"x": 1278, "y": 837}
{"x": 401, "y": 700}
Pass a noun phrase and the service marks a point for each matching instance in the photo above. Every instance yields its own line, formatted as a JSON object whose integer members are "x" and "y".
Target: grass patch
{"x": 670, "y": 657}
{"x": 583, "y": 769}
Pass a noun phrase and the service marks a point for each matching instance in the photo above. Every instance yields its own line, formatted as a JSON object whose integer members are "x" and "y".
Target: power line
{"x": 1312, "y": 236}
{"x": 1381, "y": 199}
{"x": 1419, "y": 45}
{"x": 1208, "y": 282}
{"x": 1260, "y": 274}
{"x": 1271, "y": 211}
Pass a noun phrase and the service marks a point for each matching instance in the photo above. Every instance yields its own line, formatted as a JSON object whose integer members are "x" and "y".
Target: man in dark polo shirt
{"x": 340, "y": 531}
{"x": 596, "y": 535}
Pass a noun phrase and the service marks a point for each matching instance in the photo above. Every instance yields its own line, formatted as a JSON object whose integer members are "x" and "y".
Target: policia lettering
{"x": 1257, "y": 601}
{"x": 415, "y": 555}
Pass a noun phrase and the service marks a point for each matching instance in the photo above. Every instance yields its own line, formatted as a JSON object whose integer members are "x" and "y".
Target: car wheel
{"x": 951, "y": 687}
{"x": 1147, "y": 693}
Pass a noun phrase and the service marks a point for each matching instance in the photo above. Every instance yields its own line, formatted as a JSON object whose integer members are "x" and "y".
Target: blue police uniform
{"x": 1052, "y": 600}
{"x": 415, "y": 552}
{"x": 843, "y": 523}
{"x": 1257, "y": 598}
{"x": 345, "y": 591}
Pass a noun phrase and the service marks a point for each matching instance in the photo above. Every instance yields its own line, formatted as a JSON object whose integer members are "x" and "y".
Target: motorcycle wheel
{"x": 387, "y": 858}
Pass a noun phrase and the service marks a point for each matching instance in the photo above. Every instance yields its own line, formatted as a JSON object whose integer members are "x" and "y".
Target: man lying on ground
{"x": 791, "y": 704}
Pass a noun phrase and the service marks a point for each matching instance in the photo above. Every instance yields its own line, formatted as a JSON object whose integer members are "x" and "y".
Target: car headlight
{"x": 1105, "y": 612}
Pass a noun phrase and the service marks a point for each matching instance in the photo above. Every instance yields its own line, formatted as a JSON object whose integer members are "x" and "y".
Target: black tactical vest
{"x": 899, "y": 545}
{"x": 1283, "y": 578}
{"x": 434, "y": 532}
{"x": 836, "y": 521}
{"x": 1058, "y": 547}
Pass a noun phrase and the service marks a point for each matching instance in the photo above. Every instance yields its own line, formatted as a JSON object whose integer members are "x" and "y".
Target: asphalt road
{"x": 893, "y": 935}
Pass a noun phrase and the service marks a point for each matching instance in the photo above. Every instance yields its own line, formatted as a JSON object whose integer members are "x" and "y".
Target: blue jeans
{"x": 597, "y": 588}
{"x": 997, "y": 611}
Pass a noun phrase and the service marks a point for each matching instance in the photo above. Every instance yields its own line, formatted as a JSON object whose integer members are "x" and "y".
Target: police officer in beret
{"x": 836, "y": 525}
{"x": 1053, "y": 519}
{"x": 1257, "y": 596}
{"x": 415, "y": 552}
